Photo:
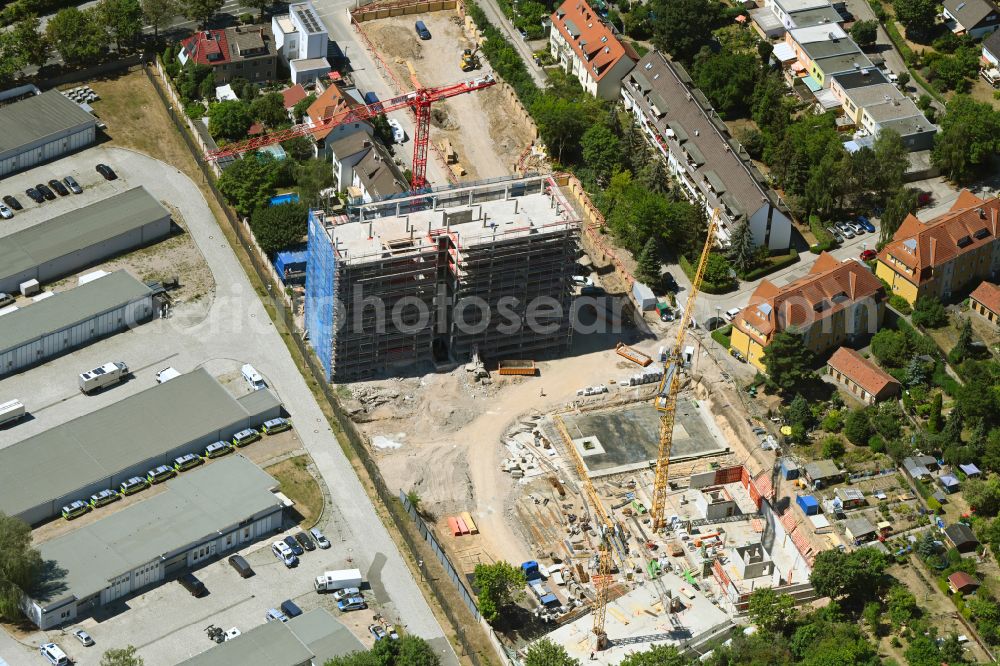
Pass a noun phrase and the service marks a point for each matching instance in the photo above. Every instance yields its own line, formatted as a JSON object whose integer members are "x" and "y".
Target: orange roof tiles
{"x": 332, "y": 101}
{"x": 592, "y": 41}
{"x": 971, "y": 223}
{"x": 988, "y": 294}
{"x": 292, "y": 96}
{"x": 829, "y": 286}
{"x": 861, "y": 371}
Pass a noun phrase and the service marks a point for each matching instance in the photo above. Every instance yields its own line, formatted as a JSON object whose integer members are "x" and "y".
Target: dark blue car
{"x": 866, "y": 224}
{"x": 371, "y": 99}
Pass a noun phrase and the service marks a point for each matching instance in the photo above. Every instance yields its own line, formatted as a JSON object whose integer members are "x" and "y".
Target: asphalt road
{"x": 497, "y": 18}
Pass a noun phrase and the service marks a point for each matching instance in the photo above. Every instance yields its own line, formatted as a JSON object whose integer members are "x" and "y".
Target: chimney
{"x": 982, "y": 213}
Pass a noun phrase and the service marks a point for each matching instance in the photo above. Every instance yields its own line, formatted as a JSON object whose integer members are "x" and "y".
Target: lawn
{"x": 723, "y": 335}
{"x": 300, "y": 487}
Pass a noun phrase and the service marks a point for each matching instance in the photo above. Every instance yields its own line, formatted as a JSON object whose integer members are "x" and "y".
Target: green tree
{"x": 903, "y": 80}
{"x": 602, "y": 151}
{"x": 10, "y": 57}
{"x": 890, "y": 348}
{"x": 20, "y": 565}
{"x": 383, "y": 130}
{"x": 547, "y": 653}
{"x": 278, "y": 227}
{"x": 983, "y": 496}
{"x": 969, "y": 137}
{"x": 872, "y": 615}
{"x": 77, "y": 35}
{"x": 498, "y": 584}
{"x": 682, "y": 27}
{"x": 259, "y": 5}
{"x": 654, "y": 176}
{"x": 269, "y": 109}
{"x": 206, "y": 89}
{"x": 657, "y": 655}
{"x": 856, "y": 575}
{"x": 407, "y": 651}
{"x": 125, "y": 656}
{"x": 798, "y": 412}
{"x": 718, "y": 271}
{"x": 929, "y": 312}
{"x": 312, "y": 177}
{"x": 727, "y": 78}
{"x": 415, "y": 651}
{"x": 201, "y": 10}
{"x": 892, "y": 159}
{"x": 887, "y": 419}
{"x": 771, "y": 611}
{"x": 963, "y": 347}
{"x": 917, "y": 16}
{"x": 833, "y": 447}
{"x": 302, "y": 106}
{"x": 833, "y": 421}
{"x": 923, "y": 651}
{"x": 900, "y": 204}
{"x": 123, "y": 18}
{"x": 901, "y": 606}
{"x": 32, "y": 47}
{"x": 229, "y": 120}
{"x": 858, "y": 427}
{"x": 561, "y": 123}
{"x": 158, "y": 13}
{"x": 248, "y": 184}
{"x": 742, "y": 252}
{"x": 934, "y": 419}
{"x": 788, "y": 362}
{"x": 864, "y": 33}
{"x": 648, "y": 265}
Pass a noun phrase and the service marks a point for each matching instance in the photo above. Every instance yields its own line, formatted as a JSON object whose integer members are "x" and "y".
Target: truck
{"x": 106, "y": 375}
{"x": 331, "y": 581}
{"x": 11, "y": 410}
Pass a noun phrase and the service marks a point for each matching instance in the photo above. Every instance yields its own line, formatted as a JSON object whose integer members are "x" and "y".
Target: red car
{"x": 868, "y": 255}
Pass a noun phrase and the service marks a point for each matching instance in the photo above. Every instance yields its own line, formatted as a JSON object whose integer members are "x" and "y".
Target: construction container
{"x": 633, "y": 355}
{"x": 517, "y": 367}
{"x": 643, "y": 296}
{"x": 789, "y": 469}
{"x": 808, "y": 504}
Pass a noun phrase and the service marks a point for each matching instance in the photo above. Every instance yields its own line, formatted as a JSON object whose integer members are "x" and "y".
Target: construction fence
{"x": 284, "y": 320}
{"x": 381, "y": 10}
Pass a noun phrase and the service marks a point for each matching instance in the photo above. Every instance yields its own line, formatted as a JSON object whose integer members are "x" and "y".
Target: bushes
{"x": 707, "y": 286}
{"x": 824, "y": 240}
{"x": 723, "y": 335}
{"x": 503, "y": 57}
{"x": 774, "y": 264}
{"x": 900, "y": 304}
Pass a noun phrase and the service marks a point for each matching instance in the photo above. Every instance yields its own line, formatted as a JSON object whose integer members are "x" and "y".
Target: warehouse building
{"x": 314, "y": 637}
{"x": 71, "y": 319}
{"x": 201, "y": 514}
{"x": 42, "y": 128}
{"x": 99, "y": 450}
{"x": 71, "y": 241}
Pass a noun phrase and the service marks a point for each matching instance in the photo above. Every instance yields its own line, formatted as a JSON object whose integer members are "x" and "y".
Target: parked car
{"x": 290, "y": 608}
{"x": 321, "y": 540}
{"x": 191, "y": 583}
{"x": 378, "y": 631}
{"x": 305, "y": 541}
{"x": 275, "y": 615}
{"x": 351, "y": 604}
{"x": 924, "y": 198}
{"x": 294, "y": 546}
{"x": 422, "y": 30}
{"x": 83, "y": 637}
{"x": 73, "y": 185}
{"x": 244, "y": 437}
{"x": 160, "y": 473}
{"x": 845, "y": 230}
{"x": 391, "y": 629}
{"x": 218, "y": 449}
{"x": 104, "y": 498}
{"x": 53, "y": 654}
{"x": 731, "y": 313}
{"x": 44, "y": 190}
{"x": 371, "y": 99}
{"x": 242, "y": 567}
{"x": 281, "y": 550}
{"x": 5, "y": 212}
{"x": 187, "y": 461}
{"x": 398, "y": 135}
{"x": 868, "y": 255}
{"x": 837, "y": 236}
{"x": 856, "y": 227}
{"x": 274, "y": 426}
{"x": 346, "y": 593}
{"x": 34, "y": 195}
{"x": 75, "y": 509}
{"x": 106, "y": 171}
{"x": 12, "y": 202}
{"x": 60, "y": 189}
{"x": 132, "y": 486}
{"x": 6, "y": 299}
{"x": 866, "y": 224}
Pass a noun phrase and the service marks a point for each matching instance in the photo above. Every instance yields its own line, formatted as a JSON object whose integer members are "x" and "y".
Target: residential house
{"x": 586, "y": 48}
{"x": 376, "y": 176}
{"x": 985, "y": 299}
{"x": 962, "y": 582}
{"x": 872, "y": 104}
{"x": 919, "y": 467}
{"x": 991, "y": 50}
{"x": 945, "y": 255}
{"x": 822, "y": 473}
{"x": 711, "y": 165}
{"x": 345, "y": 153}
{"x": 292, "y": 96}
{"x": 246, "y": 51}
{"x": 850, "y": 498}
{"x": 303, "y": 41}
{"x": 860, "y": 530}
{"x": 836, "y": 302}
{"x": 962, "y": 537}
{"x": 803, "y": 13}
{"x": 860, "y": 377}
{"x": 823, "y": 51}
{"x": 334, "y": 102}
{"x": 976, "y": 18}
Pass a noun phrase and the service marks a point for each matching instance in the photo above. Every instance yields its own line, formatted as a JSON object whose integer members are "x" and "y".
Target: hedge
{"x": 503, "y": 57}
{"x": 723, "y": 335}
{"x": 774, "y": 264}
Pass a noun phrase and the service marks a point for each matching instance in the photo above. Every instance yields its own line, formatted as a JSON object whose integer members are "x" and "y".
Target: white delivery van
{"x": 332, "y": 581}
{"x": 166, "y": 375}
{"x": 11, "y": 410}
{"x": 106, "y": 375}
{"x": 252, "y": 377}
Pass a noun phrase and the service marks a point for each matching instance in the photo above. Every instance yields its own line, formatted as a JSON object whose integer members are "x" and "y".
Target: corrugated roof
{"x": 66, "y": 308}
{"x": 592, "y": 41}
{"x": 861, "y": 371}
{"x": 195, "y": 505}
{"x": 78, "y": 229}
{"x": 39, "y": 117}
{"x": 97, "y": 445}
{"x": 988, "y": 294}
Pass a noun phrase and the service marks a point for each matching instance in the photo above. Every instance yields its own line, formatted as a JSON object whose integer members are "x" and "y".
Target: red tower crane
{"x": 419, "y": 100}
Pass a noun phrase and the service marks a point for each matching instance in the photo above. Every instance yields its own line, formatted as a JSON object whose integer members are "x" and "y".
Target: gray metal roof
{"x": 859, "y": 526}
{"x": 99, "y": 444}
{"x": 195, "y": 506}
{"x": 260, "y": 401}
{"x": 822, "y": 469}
{"x": 78, "y": 229}
{"x": 39, "y": 117}
{"x": 69, "y": 307}
{"x": 324, "y": 634}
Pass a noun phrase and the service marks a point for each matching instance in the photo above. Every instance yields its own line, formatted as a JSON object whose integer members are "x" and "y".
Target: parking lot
{"x": 220, "y": 330}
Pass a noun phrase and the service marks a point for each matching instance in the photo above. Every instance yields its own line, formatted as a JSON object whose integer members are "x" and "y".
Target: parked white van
{"x": 11, "y": 410}
{"x": 54, "y": 654}
{"x": 252, "y": 377}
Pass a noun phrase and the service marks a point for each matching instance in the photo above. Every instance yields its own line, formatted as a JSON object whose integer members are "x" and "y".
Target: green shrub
{"x": 933, "y": 505}
{"x": 773, "y": 264}
{"x": 900, "y": 304}
{"x": 723, "y": 335}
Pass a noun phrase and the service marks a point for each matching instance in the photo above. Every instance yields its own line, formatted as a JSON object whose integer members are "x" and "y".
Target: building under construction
{"x": 436, "y": 276}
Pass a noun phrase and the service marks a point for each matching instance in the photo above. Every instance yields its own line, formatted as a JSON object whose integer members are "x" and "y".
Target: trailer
{"x": 522, "y": 367}
{"x": 331, "y": 581}
{"x": 633, "y": 355}
{"x": 11, "y": 410}
{"x": 106, "y": 375}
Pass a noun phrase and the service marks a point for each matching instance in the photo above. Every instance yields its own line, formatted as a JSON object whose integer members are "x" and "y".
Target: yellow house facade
{"x": 836, "y": 303}
{"x": 946, "y": 255}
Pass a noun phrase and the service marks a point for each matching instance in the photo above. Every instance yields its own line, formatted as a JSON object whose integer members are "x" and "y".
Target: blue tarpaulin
{"x": 291, "y": 265}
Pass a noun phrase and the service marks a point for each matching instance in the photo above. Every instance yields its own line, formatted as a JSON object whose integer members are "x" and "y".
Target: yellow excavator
{"x": 470, "y": 60}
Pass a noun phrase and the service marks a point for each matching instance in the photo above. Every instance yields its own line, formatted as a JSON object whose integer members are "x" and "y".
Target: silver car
{"x": 321, "y": 540}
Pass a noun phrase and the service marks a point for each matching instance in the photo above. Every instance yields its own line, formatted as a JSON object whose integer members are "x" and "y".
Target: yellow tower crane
{"x": 666, "y": 394}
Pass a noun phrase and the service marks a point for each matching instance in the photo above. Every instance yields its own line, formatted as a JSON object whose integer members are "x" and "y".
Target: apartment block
{"x": 945, "y": 256}
{"x": 713, "y": 168}
{"x": 837, "y": 302}
{"x": 588, "y": 49}
{"x": 436, "y": 277}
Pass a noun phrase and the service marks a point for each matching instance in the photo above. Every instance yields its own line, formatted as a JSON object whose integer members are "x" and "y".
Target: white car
{"x": 83, "y": 637}
{"x": 398, "y": 135}
{"x": 321, "y": 539}
{"x": 346, "y": 593}
{"x": 5, "y": 212}
{"x": 731, "y": 313}
{"x": 284, "y": 553}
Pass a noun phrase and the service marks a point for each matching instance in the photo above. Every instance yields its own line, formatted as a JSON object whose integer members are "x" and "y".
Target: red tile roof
{"x": 592, "y": 41}
{"x": 988, "y": 294}
{"x": 960, "y": 579}
{"x": 294, "y": 95}
{"x": 331, "y": 102}
{"x": 971, "y": 223}
{"x": 829, "y": 286}
{"x": 861, "y": 371}
{"x": 207, "y": 47}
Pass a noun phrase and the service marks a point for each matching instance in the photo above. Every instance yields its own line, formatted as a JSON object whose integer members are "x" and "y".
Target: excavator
{"x": 470, "y": 60}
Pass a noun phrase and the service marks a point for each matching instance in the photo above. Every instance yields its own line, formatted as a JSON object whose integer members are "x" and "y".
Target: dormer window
{"x": 604, "y": 39}
{"x": 981, "y": 234}
{"x": 964, "y": 241}
{"x": 648, "y": 66}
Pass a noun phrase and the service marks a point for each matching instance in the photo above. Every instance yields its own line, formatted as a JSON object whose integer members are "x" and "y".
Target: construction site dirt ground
{"x": 484, "y": 127}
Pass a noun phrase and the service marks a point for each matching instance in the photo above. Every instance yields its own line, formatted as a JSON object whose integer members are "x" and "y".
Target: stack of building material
{"x": 462, "y": 524}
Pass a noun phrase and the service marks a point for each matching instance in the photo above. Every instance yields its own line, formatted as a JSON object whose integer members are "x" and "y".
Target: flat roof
{"x": 843, "y": 63}
{"x": 38, "y": 117}
{"x": 195, "y": 505}
{"x": 799, "y": 5}
{"x": 818, "y": 16}
{"x": 99, "y": 444}
{"x": 78, "y": 229}
{"x": 69, "y": 307}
